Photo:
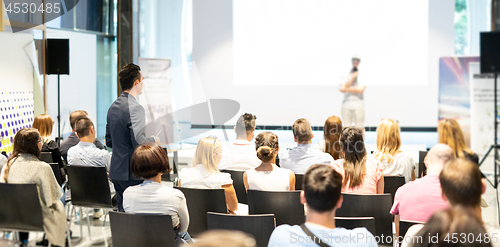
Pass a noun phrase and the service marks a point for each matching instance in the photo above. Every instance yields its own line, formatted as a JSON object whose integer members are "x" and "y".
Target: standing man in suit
{"x": 125, "y": 130}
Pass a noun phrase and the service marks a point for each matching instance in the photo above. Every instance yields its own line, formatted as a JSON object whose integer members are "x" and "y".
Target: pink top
{"x": 418, "y": 200}
{"x": 372, "y": 175}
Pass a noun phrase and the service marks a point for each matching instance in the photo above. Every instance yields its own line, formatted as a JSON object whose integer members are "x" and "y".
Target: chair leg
{"x": 88, "y": 221}
{"x": 105, "y": 215}
{"x": 81, "y": 222}
{"x": 69, "y": 226}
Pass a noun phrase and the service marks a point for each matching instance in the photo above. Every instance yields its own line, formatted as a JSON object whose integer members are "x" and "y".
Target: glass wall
{"x": 471, "y": 18}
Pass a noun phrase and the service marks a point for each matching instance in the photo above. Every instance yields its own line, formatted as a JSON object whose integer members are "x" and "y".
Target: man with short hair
{"x": 126, "y": 129}
{"x": 300, "y": 158}
{"x": 418, "y": 200}
{"x": 322, "y": 197}
{"x": 72, "y": 139}
{"x": 240, "y": 155}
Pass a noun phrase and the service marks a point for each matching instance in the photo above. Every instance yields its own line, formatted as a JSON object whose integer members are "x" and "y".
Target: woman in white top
{"x": 268, "y": 176}
{"x": 204, "y": 173}
{"x": 394, "y": 161}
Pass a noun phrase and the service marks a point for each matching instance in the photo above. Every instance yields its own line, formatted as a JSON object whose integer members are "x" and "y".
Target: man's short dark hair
{"x": 128, "y": 74}
{"x": 245, "y": 124}
{"x": 461, "y": 183}
{"x": 148, "y": 160}
{"x": 302, "y": 130}
{"x": 74, "y": 116}
{"x": 322, "y": 188}
{"x": 82, "y": 126}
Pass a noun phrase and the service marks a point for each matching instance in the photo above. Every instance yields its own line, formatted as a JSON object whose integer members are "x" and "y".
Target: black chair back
{"x": 259, "y": 226}
{"x": 132, "y": 230}
{"x": 392, "y": 183}
{"x": 238, "y": 184}
{"x": 405, "y": 225}
{"x": 199, "y": 203}
{"x": 89, "y": 186}
{"x": 57, "y": 172}
{"x": 298, "y": 181}
{"x": 285, "y": 205}
{"x": 20, "y": 209}
{"x": 46, "y": 157}
{"x": 377, "y": 206}
{"x": 353, "y": 222}
{"x": 422, "y": 170}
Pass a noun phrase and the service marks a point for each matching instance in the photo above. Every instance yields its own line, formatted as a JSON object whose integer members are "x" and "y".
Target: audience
{"x": 149, "y": 162}
{"x": 361, "y": 174}
{"x": 204, "y": 173}
{"x": 451, "y": 134}
{"x": 226, "y": 238}
{"x": 300, "y": 158}
{"x": 322, "y": 196}
{"x": 331, "y": 132}
{"x": 394, "y": 161}
{"x": 418, "y": 200}
{"x": 268, "y": 176}
{"x": 43, "y": 123}
{"x": 240, "y": 155}
{"x": 73, "y": 139}
{"x": 24, "y": 167}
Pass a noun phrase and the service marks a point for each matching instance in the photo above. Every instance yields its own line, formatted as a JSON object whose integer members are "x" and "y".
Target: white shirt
{"x": 300, "y": 158}
{"x": 3, "y": 161}
{"x": 87, "y": 154}
{"x": 276, "y": 180}
{"x": 239, "y": 155}
{"x": 199, "y": 178}
{"x": 402, "y": 165}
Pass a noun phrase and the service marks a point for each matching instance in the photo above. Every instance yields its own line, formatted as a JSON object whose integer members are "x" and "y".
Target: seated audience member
{"x": 226, "y": 238}
{"x": 300, "y": 158}
{"x": 204, "y": 173}
{"x": 73, "y": 139}
{"x": 451, "y": 134}
{"x": 268, "y": 176}
{"x": 240, "y": 154}
{"x": 24, "y": 167}
{"x": 331, "y": 133}
{"x": 149, "y": 162}
{"x": 361, "y": 174}
{"x": 322, "y": 196}
{"x": 43, "y": 123}
{"x": 418, "y": 200}
{"x": 3, "y": 160}
{"x": 394, "y": 161}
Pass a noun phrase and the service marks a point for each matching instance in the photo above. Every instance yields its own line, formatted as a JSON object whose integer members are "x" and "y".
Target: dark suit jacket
{"x": 125, "y": 130}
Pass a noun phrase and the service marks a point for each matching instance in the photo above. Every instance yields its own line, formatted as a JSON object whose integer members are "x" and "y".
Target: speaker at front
{"x": 57, "y": 57}
{"x": 490, "y": 52}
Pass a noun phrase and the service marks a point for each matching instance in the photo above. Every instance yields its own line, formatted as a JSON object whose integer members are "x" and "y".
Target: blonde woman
{"x": 204, "y": 173}
{"x": 331, "y": 133}
{"x": 394, "y": 161}
{"x": 268, "y": 176}
{"x": 451, "y": 134}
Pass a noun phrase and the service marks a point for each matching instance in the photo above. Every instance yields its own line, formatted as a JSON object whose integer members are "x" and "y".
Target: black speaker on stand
{"x": 57, "y": 63}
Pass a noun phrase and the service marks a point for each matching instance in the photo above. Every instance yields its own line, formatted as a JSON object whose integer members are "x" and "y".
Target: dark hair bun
{"x": 265, "y": 153}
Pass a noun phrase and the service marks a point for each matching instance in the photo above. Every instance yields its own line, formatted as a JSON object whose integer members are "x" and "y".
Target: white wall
{"x": 278, "y": 105}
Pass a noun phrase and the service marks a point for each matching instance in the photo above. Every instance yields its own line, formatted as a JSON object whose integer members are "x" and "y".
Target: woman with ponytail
{"x": 268, "y": 176}
{"x": 24, "y": 167}
{"x": 360, "y": 174}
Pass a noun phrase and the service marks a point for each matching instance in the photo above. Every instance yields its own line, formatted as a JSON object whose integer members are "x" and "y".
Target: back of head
{"x": 438, "y": 156}
{"x": 266, "y": 144}
{"x": 302, "y": 130}
{"x": 74, "y": 116}
{"x": 25, "y": 142}
{"x": 82, "y": 126}
{"x": 128, "y": 75}
{"x": 204, "y": 154}
{"x": 450, "y": 133}
{"x": 245, "y": 125}
{"x": 43, "y": 123}
{"x": 226, "y": 238}
{"x": 331, "y": 131}
{"x": 322, "y": 188}
{"x": 354, "y": 150}
{"x": 388, "y": 139}
{"x": 461, "y": 183}
{"x": 455, "y": 221}
{"x": 148, "y": 161}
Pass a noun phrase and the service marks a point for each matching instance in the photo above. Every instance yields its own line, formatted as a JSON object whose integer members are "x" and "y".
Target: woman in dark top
{"x": 451, "y": 134}
{"x": 43, "y": 123}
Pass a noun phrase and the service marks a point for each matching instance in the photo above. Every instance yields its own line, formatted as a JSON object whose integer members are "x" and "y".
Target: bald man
{"x": 418, "y": 200}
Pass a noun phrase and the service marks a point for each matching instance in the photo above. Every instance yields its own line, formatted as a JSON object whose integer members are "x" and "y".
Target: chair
{"x": 298, "y": 181}
{"x": 377, "y": 206}
{"x": 199, "y": 203}
{"x": 57, "y": 172}
{"x": 132, "y": 230}
{"x": 46, "y": 157}
{"x": 392, "y": 183}
{"x": 422, "y": 170}
{"x": 353, "y": 222}
{"x": 89, "y": 189}
{"x": 285, "y": 205}
{"x": 405, "y": 225}
{"x": 239, "y": 186}
{"x": 260, "y": 226}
